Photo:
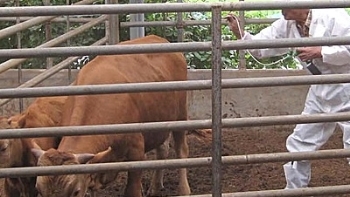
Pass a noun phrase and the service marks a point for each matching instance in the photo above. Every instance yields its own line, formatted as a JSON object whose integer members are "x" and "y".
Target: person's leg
{"x": 306, "y": 137}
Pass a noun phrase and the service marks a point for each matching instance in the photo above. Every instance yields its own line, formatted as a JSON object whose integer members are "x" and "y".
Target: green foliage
{"x": 35, "y": 36}
{"x": 202, "y": 59}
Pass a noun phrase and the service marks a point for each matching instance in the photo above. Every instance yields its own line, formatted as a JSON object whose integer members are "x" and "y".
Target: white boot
{"x": 297, "y": 173}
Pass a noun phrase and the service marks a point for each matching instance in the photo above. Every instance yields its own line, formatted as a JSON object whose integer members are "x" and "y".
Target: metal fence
{"x": 216, "y": 85}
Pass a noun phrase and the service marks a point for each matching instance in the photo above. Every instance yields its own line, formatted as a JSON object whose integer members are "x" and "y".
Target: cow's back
{"x": 131, "y": 107}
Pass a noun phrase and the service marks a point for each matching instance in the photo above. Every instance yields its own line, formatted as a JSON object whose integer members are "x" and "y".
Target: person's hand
{"x": 309, "y": 53}
{"x": 233, "y": 24}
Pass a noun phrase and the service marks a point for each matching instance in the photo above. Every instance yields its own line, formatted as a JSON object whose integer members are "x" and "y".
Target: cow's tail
{"x": 203, "y": 135}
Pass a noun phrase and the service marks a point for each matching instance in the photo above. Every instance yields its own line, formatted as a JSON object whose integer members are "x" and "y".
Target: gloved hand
{"x": 233, "y": 24}
{"x": 309, "y": 53}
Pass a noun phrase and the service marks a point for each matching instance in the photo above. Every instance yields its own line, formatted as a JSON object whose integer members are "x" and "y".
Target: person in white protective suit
{"x": 324, "y": 98}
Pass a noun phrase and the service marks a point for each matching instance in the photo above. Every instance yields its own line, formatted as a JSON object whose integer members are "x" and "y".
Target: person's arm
{"x": 278, "y": 29}
{"x": 340, "y": 26}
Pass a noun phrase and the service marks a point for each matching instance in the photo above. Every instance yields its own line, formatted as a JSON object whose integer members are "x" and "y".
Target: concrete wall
{"x": 248, "y": 102}
{"x": 239, "y": 102}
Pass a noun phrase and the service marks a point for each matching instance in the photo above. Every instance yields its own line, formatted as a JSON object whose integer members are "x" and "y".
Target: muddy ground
{"x": 254, "y": 177}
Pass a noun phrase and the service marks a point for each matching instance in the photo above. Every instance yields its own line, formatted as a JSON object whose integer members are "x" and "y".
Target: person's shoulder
{"x": 281, "y": 22}
{"x": 329, "y": 13}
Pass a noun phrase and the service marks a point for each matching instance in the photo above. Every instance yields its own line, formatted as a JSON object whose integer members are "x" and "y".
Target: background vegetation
{"x": 35, "y": 36}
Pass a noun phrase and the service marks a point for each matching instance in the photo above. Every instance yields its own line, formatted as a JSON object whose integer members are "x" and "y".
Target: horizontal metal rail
{"x": 309, "y": 191}
{"x": 60, "y": 39}
{"x": 188, "y": 23}
{"x": 58, "y": 19}
{"x": 171, "y": 125}
{"x": 197, "y": 162}
{"x": 32, "y": 22}
{"x": 49, "y": 72}
{"x": 171, "y": 47}
{"x": 173, "y": 85}
{"x": 168, "y": 7}
{"x": 172, "y": 163}
{"x": 146, "y": 23}
{"x": 6, "y": 32}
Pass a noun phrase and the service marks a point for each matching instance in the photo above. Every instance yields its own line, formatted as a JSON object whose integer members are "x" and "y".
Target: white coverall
{"x": 325, "y": 98}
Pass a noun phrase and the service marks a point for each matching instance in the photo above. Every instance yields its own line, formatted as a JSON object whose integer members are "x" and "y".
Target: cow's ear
{"x": 17, "y": 121}
{"x": 102, "y": 157}
{"x": 84, "y": 158}
{"x": 37, "y": 152}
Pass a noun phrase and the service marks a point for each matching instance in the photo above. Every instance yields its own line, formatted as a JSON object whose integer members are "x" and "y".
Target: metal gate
{"x": 216, "y": 85}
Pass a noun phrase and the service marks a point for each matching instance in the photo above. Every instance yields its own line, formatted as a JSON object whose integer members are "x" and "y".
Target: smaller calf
{"x": 43, "y": 112}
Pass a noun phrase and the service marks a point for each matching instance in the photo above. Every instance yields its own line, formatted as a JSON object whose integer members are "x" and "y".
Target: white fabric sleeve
{"x": 278, "y": 29}
{"x": 339, "y": 25}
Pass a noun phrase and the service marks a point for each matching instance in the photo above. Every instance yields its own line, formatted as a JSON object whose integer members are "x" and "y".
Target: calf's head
{"x": 72, "y": 185}
{"x": 10, "y": 149}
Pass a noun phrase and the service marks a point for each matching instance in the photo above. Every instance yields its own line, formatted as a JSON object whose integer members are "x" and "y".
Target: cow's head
{"x": 74, "y": 185}
{"x": 10, "y": 149}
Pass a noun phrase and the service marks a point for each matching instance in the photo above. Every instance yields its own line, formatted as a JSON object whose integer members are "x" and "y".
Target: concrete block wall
{"x": 238, "y": 102}
{"x": 248, "y": 102}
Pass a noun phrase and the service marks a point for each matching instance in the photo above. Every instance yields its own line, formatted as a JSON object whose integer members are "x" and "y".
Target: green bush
{"x": 35, "y": 36}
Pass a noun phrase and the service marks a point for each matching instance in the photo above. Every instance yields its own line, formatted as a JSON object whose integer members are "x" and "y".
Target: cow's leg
{"x": 136, "y": 153}
{"x": 162, "y": 152}
{"x": 181, "y": 150}
{"x": 134, "y": 185}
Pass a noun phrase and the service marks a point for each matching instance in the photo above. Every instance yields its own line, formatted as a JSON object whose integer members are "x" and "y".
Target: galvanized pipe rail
{"x": 172, "y": 163}
{"x": 32, "y": 22}
{"x": 173, "y": 85}
{"x": 168, "y": 7}
{"x": 14, "y": 62}
{"x": 309, "y": 191}
{"x": 186, "y": 23}
{"x": 171, "y": 47}
{"x": 49, "y": 72}
{"x": 145, "y": 23}
{"x": 171, "y": 125}
{"x": 197, "y": 162}
{"x": 56, "y": 20}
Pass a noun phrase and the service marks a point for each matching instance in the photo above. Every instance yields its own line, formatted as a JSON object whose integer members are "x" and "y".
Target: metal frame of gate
{"x": 216, "y": 85}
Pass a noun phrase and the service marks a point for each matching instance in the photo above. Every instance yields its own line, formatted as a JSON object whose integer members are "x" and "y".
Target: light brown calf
{"x": 43, "y": 112}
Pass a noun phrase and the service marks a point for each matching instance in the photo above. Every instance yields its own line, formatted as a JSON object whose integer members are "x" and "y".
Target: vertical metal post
{"x": 137, "y": 32}
{"x": 19, "y": 67}
{"x": 68, "y": 2}
{"x": 164, "y": 15}
{"x": 113, "y": 24}
{"x": 216, "y": 100}
{"x": 179, "y": 25}
{"x": 48, "y": 35}
{"x": 107, "y": 31}
{"x": 241, "y": 54}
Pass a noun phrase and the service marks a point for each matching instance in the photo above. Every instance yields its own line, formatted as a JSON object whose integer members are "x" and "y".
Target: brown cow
{"x": 43, "y": 112}
{"x": 114, "y": 109}
{"x": 10, "y": 156}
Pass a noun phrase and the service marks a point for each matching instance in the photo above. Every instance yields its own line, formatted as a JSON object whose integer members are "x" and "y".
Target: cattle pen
{"x": 215, "y": 83}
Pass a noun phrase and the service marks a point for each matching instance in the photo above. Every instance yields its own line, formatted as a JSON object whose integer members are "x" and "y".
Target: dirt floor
{"x": 254, "y": 177}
